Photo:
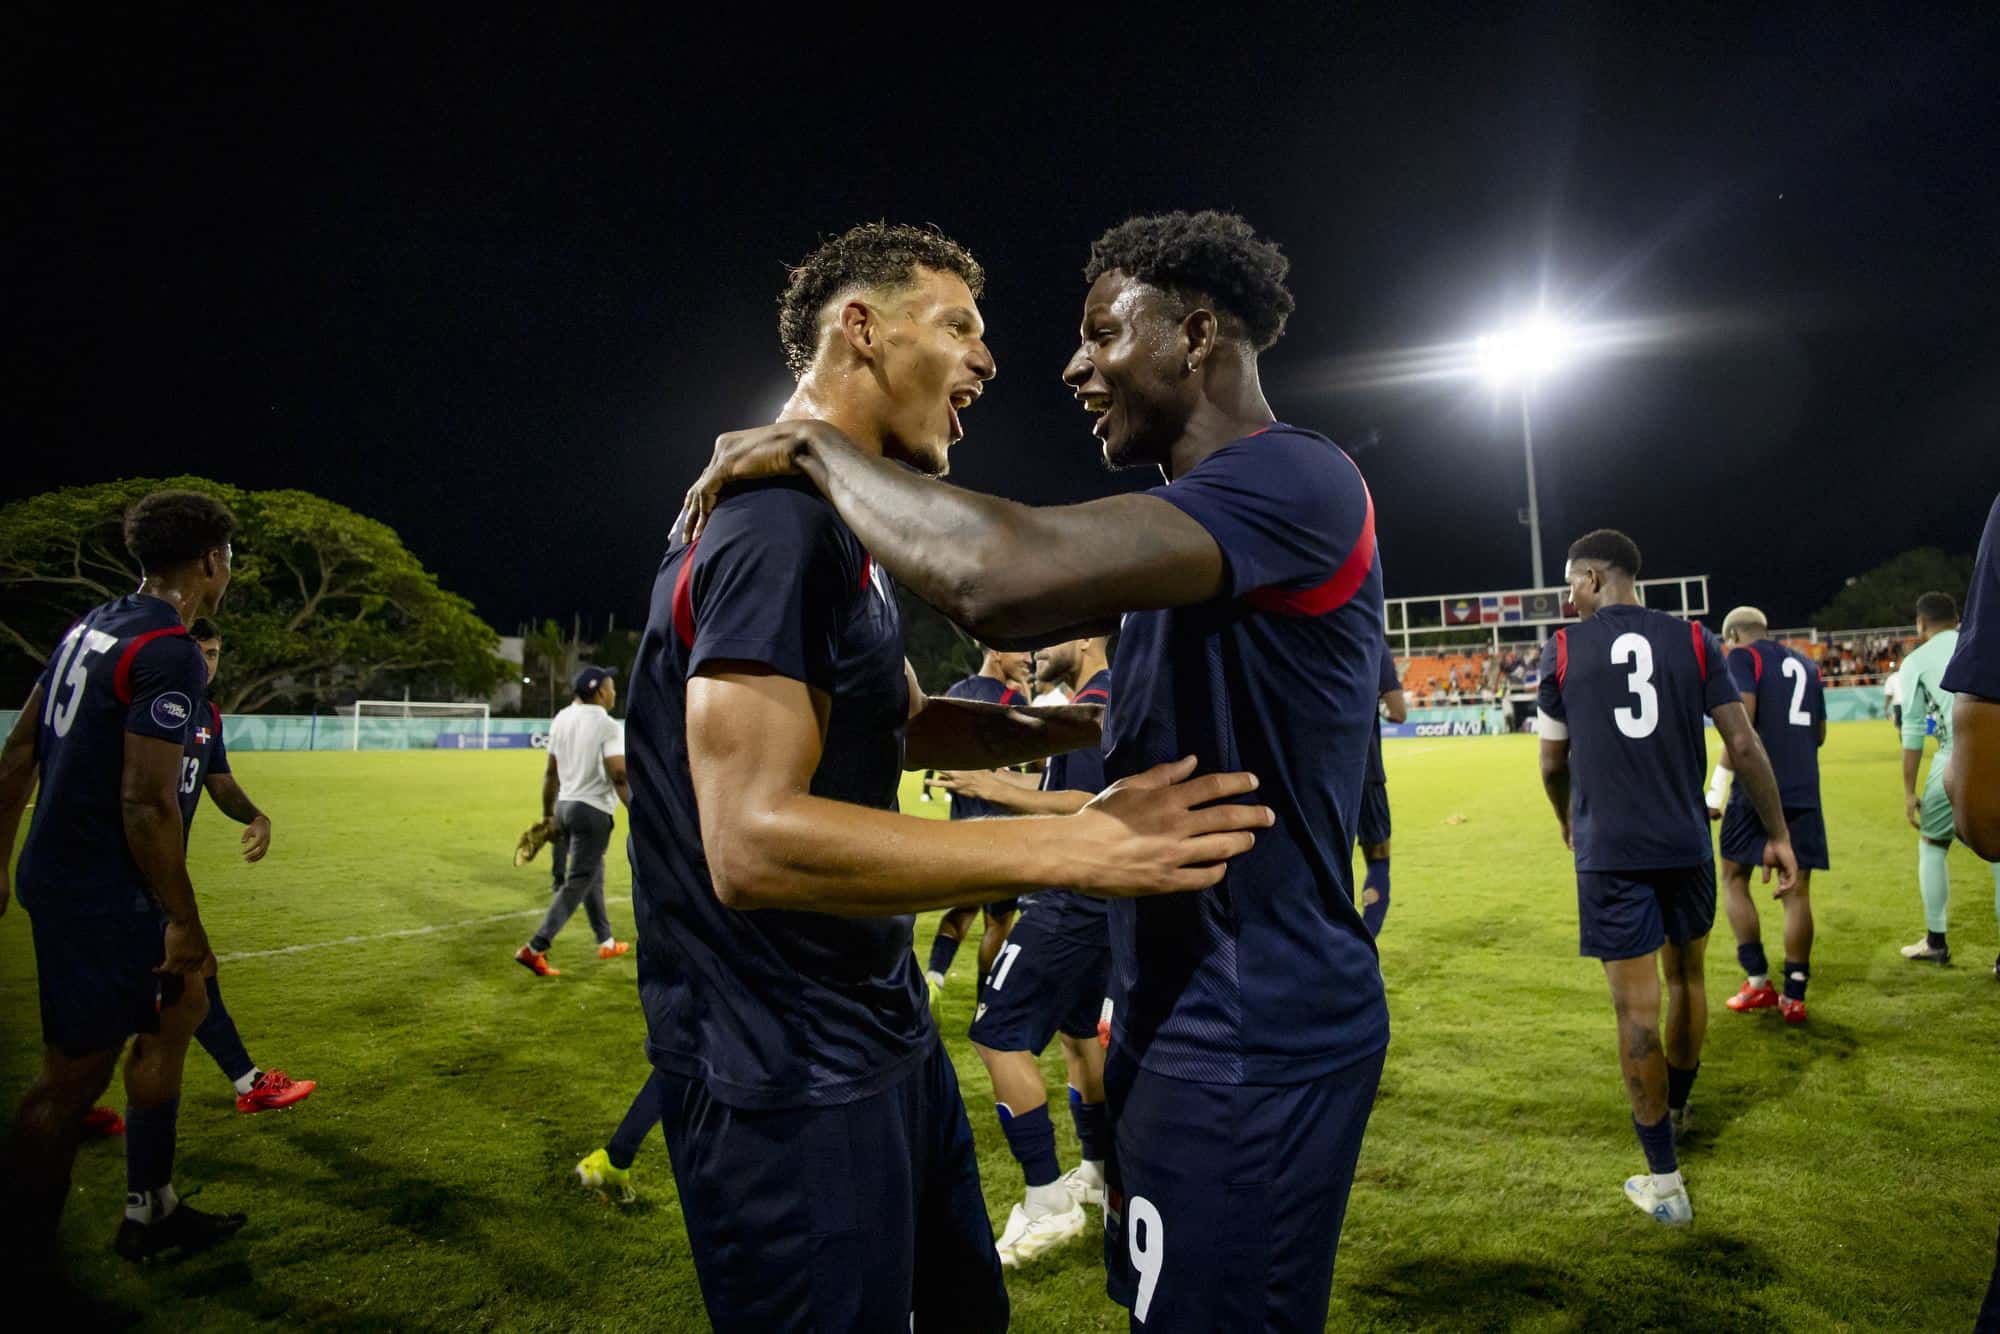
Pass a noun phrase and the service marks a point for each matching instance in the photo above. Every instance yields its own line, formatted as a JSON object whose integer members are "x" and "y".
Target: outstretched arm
{"x": 17, "y": 784}
{"x": 754, "y": 742}
{"x": 1014, "y": 792}
{"x": 952, "y": 733}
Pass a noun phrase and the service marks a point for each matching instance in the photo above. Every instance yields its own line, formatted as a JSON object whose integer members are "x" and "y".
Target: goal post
{"x": 409, "y": 724}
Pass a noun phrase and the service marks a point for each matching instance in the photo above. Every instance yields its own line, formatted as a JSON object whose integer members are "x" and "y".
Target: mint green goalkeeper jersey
{"x": 1924, "y": 699}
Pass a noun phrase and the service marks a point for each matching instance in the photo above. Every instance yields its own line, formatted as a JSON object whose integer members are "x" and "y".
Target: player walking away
{"x": 1373, "y": 830}
{"x": 1049, "y": 980}
{"x": 119, "y": 945}
{"x": 1257, "y": 1005}
{"x": 825, "y": 1166}
{"x": 998, "y": 681}
{"x": 582, "y": 785}
{"x": 1972, "y": 778}
{"x": 1927, "y": 711}
{"x": 1781, "y": 692}
{"x": 1621, "y": 701}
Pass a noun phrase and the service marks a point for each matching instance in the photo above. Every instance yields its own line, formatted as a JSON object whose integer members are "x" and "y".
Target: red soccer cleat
{"x": 536, "y": 963}
{"x": 614, "y": 949}
{"x": 1793, "y": 1010}
{"x": 1753, "y": 998}
{"x": 102, "y": 1123}
{"x": 274, "y": 1089}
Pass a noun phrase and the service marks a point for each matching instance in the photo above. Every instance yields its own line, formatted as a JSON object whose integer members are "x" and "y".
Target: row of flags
{"x": 1504, "y": 609}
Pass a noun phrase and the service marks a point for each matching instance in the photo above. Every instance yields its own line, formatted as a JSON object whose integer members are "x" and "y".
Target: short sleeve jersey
{"x": 1926, "y": 701}
{"x": 1975, "y": 664}
{"x": 202, "y": 755}
{"x": 127, "y": 666}
{"x": 1791, "y": 704}
{"x": 1062, "y": 910}
{"x": 987, "y": 691}
{"x": 1628, "y": 688}
{"x": 1386, "y": 683}
{"x": 1268, "y": 977}
{"x": 770, "y": 1008}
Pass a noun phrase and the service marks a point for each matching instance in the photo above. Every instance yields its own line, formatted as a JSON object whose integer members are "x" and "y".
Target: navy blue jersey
{"x": 1384, "y": 684}
{"x": 1975, "y": 663}
{"x": 1791, "y": 704}
{"x": 1065, "y": 911}
{"x": 127, "y": 666}
{"x": 1629, "y": 688}
{"x": 987, "y": 691}
{"x": 770, "y": 1008}
{"x": 1270, "y": 976}
{"x": 204, "y": 754}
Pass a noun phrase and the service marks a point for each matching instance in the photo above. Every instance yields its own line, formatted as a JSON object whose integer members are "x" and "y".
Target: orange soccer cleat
{"x": 274, "y": 1089}
{"x": 613, "y": 949}
{"x": 1793, "y": 1010}
{"x": 536, "y": 962}
{"x": 102, "y": 1123}
{"x": 1753, "y": 998}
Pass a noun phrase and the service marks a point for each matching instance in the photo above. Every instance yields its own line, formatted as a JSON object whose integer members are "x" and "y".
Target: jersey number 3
{"x": 1643, "y": 720}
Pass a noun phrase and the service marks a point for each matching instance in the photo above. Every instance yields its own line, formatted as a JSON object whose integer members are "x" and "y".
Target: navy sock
{"x": 219, "y": 1038}
{"x": 1796, "y": 976}
{"x": 1750, "y": 958}
{"x": 1679, "y": 1084}
{"x": 1091, "y": 1131}
{"x": 943, "y": 950}
{"x": 149, "y": 1146}
{"x": 1658, "y": 1142}
{"x": 1934, "y": 939}
{"x": 1032, "y": 1137}
{"x": 1377, "y": 879}
{"x": 640, "y": 1118}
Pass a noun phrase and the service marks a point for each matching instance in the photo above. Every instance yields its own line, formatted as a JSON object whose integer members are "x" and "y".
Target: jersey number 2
{"x": 1642, "y": 721}
{"x": 1797, "y": 671}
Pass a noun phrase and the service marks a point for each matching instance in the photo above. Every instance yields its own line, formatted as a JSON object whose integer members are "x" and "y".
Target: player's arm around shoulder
{"x": 754, "y": 740}
{"x": 945, "y": 732}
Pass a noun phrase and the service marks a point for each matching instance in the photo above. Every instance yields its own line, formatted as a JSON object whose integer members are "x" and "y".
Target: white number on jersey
{"x": 1148, "y": 1249}
{"x": 1637, "y": 650}
{"x": 190, "y": 773}
{"x": 72, "y": 671}
{"x": 1797, "y": 671}
{"x": 1002, "y": 964}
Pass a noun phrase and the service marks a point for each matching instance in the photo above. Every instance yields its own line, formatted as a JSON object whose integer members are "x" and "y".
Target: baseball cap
{"x": 589, "y": 679}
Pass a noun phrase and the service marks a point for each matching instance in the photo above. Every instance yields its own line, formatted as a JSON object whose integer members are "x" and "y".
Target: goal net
{"x": 418, "y": 724}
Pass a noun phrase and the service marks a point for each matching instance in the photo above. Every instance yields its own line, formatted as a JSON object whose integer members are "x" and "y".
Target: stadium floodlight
{"x": 1517, "y": 357}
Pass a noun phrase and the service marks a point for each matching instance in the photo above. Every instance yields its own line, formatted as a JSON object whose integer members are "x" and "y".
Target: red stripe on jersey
{"x": 1083, "y": 695}
{"x": 1010, "y": 696}
{"x": 1756, "y": 664}
{"x": 684, "y": 600}
{"x": 1700, "y": 650}
{"x": 1335, "y": 592}
{"x": 867, "y": 570}
{"x": 121, "y": 679}
{"x": 217, "y": 715}
{"x": 1562, "y": 656}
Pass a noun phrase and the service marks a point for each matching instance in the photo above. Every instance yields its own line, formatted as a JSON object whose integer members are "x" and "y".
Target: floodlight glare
{"x": 1525, "y": 352}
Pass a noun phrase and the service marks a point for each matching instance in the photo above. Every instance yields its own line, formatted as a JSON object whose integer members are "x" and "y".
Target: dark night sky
{"x": 501, "y": 287}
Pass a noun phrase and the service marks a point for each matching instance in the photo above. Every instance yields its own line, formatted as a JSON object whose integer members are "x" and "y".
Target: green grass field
{"x": 1845, "y": 1175}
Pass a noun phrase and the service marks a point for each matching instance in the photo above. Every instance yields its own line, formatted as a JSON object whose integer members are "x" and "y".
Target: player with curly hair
{"x": 1250, "y": 1023}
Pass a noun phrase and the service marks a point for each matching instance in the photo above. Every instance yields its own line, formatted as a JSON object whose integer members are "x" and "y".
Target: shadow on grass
{"x": 1692, "y": 1282}
{"x": 1759, "y": 1059}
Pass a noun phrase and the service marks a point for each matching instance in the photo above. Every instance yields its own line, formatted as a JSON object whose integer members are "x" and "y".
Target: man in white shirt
{"x": 1892, "y": 696}
{"x": 581, "y": 788}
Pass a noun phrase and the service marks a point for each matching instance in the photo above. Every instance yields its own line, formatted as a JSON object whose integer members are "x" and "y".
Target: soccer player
{"x": 1622, "y": 696}
{"x": 996, "y": 682}
{"x": 1972, "y": 777}
{"x": 1373, "y": 830}
{"x": 582, "y": 785}
{"x": 825, "y": 1166}
{"x": 1252, "y": 605}
{"x": 1049, "y": 980}
{"x": 1782, "y": 694}
{"x": 119, "y": 944}
{"x": 1927, "y": 711}
{"x": 608, "y": 1170}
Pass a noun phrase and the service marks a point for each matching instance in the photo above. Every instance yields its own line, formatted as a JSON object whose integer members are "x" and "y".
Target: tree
{"x": 939, "y": 650}
{"x": 323, "y": 599}
{"x": 1887, "y": 595}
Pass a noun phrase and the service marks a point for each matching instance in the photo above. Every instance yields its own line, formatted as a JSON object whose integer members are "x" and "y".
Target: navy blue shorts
{"x": 1043, "y": 982}
{"x": 1627, "y": 914}
{"x": 1374, "y": 823}
{"x": 1224, "y": 1202}
{"x": 1743, "y": 834}
{"x": 96, "y": 978}
{"x": 865, "y": 1216}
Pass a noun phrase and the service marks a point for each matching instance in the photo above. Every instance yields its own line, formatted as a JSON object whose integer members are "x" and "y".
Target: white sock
{"x": 1668, "y": 1184}
{"x": 149, "y": 1206}
{"x": 607, "y": 942}
{"x": 935, "y": 979}
{"x": 1758, "y": 981}
{"x": 1092, "y": 1170}
{"x": 245, "y": 1083}
{"x": 1053, "y": 1198}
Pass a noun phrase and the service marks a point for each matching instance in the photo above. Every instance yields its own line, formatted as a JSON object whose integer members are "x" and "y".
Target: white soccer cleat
{"x": 1024, "y": 1238}
{"x": 1669, "y": 1208}
{"x": 1085, "y": 1185}
{"x": 1924, "y": 952}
